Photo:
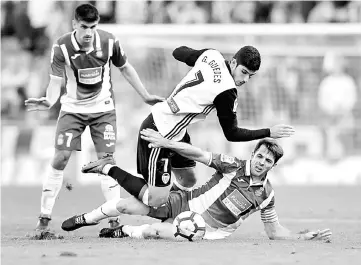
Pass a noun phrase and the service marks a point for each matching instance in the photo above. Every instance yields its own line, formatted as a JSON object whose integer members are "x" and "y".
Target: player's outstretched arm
{"x": 132, "y": 77}
{"x": 276, "y": 231}
{"x": 52, "y": 95}
{"x": 226, "y": 105}
{"x": 158, "y": 141}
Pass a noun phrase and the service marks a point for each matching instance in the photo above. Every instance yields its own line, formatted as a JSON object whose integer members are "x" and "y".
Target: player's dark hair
{"x": 87, "y": 13}
{"x": 272, "y": 146}
{"x": 249, "y": 57}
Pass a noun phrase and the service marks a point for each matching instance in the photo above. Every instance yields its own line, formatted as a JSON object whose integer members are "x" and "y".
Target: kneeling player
{"x": 238, "y": 189}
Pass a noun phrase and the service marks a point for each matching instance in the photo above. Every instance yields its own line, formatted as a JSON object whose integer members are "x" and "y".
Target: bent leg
{"x": 115, "y": 207}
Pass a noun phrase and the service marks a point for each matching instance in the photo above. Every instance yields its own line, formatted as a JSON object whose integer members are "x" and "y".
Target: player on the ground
{"x": 238, "y": 189}
{"x": 83, "y": 57}
{"x": 210, "y": 85}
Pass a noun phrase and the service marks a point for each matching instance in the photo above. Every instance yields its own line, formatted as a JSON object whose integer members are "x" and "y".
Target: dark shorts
{"x": 70, "y": 127}
{"x": 177, "y": 203}
{"x": 154, "y": 164}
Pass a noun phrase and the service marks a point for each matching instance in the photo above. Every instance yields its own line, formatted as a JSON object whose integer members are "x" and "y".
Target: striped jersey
{"x": 192, "y": 99}
{"x": 87, "y": 73}
{"x": 230, "y": 196}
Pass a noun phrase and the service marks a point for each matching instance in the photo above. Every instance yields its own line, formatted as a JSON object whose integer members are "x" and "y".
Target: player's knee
{"x": 157, "y": 197}
{"x": 61, "y": 159}
{"x": 185, "y": 177}
{"x": 122, "y": 207}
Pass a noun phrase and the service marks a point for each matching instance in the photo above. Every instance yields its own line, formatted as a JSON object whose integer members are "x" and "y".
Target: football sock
{"x": 135, "y": 231}
{"x": 110, "y": 189}
{"x": 130, "y": 183}
{"x": 108, "y": 209}
{"x": 51, "y": 188}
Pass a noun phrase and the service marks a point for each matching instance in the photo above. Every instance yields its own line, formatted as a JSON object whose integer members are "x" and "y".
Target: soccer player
{"x": 83, "y": 57}
{"x": 236, "y": 190}
{"x": 210, "y": 85}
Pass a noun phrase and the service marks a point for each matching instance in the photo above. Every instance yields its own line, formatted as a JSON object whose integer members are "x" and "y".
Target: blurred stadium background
{"x": 309, "y": 78}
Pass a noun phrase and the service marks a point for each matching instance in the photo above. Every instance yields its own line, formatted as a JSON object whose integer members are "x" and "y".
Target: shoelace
{"x": 80, "y": 220}
{"x": 118, "y": 233}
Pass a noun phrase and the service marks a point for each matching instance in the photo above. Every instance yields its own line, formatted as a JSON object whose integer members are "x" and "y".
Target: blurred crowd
{"x": 304, "y": 90}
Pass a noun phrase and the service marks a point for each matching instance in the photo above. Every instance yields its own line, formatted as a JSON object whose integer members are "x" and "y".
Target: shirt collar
{"x": 228, "y": 67}
{"x": 76, "y": 45}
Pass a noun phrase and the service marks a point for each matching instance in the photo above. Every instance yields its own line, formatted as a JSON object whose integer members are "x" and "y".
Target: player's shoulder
{"x": 213, "y": 54}
{"x": 64, "y": 39}
{"x": 228, "y": 163}
{"x": 105, "y": 35}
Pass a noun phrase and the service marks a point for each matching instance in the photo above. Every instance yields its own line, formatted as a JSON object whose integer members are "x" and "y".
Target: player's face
{"x": 84, "y": 31}
{"x": 240, "y": 73}
{"x": 262, "y": 161}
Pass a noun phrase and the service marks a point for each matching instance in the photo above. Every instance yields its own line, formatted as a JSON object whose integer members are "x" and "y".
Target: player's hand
{"x": 153, "y": 99}
{"x": 37, "y": 104}
{"x": 155, "y": 138}
{"x": 317, "y": 235}
{"x": 281, "y": 130}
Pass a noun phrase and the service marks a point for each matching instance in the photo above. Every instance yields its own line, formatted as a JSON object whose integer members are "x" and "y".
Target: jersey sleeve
{"x": 226, "y": 106}
{"x": 119, "y": 58}
{"x": 225, "y": 163}
{"x": 57, "y": 61}
{"x": 268, "y": 214}
{"x": 187, "y": 55}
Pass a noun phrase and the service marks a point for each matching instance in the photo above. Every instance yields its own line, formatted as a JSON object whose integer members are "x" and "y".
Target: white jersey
{"x": 192, "y": 99}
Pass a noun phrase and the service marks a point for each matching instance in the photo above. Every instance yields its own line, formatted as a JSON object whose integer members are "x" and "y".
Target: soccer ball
{"x": 189, "y": 225}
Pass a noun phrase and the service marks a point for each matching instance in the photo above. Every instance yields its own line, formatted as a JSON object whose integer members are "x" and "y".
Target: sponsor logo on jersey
{"x": 236, "y": 203}
{"x": 173, "y": 105}
{"x": 165, "y": 178}
{"x": 110, "y": 144}
{"x": 99, "y": 54}
{"x": 60, "y": 139}
{"x": 227, "y": 159}
{"x": 90, "y": 76}
{"x": 109, "y": 133}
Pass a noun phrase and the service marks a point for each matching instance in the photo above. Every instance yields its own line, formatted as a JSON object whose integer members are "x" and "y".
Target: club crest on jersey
{"x": 227, "y": 159}
{"x": 99, "y": 54}
{"x": 165, "y": 178}
{"x": 259, "y": 192}
{"x": 109, "y": 133}
{"x": 90, "y": 76}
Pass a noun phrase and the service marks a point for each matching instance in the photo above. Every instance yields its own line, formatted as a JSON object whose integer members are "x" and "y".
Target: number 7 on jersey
{"x": 196, "y": 81}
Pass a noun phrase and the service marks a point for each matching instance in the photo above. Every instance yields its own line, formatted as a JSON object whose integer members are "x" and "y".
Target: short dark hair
{"x": 87, "y": 13}
{"x": 272, "y": 145}
{"x": 249, "y": 57}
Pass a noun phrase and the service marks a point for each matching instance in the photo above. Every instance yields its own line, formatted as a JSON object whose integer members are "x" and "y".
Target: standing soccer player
{"x": 83, "y": 57}
{"x": 210, "y": 85}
